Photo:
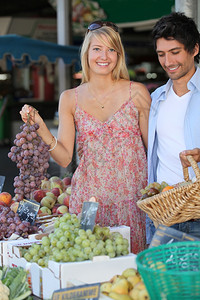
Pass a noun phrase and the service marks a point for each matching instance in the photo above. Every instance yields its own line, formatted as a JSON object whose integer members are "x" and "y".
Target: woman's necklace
{"x": 96, "y": 99}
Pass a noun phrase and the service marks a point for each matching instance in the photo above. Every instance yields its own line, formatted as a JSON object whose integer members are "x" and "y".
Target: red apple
{"x": 66, "y": 181}
{"x": 66, "y": 200}
{"x": 61, "y": 197}
{"x": 54, "y": 209}
{"x": 62, "y": 209}
{"x": 56, "y": 191}
{"x": 37, "y": 195}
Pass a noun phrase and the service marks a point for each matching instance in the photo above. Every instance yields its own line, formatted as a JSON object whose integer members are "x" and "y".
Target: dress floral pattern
{"x": 112, "y": 168}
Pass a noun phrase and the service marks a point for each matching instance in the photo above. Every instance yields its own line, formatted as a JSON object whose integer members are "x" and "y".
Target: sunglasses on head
{"x": 98, "y": 24}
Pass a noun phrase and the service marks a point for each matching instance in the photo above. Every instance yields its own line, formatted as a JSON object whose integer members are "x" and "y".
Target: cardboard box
{"x": 44, "y": 281}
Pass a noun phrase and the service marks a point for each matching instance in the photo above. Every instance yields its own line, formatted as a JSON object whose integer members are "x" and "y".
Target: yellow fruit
{"x": 134, "y": 294}
{"x": 129, "y": 272}
{"x": 105, "y": 287}
{"x": 119, "y": 297}
{"x": 134, "y": 280}
{"x": 143, "y": 295}
{"x": 120, "y": 287}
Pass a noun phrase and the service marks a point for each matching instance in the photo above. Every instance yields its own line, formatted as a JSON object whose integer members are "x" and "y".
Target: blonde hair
{"x": 114, "y": 41}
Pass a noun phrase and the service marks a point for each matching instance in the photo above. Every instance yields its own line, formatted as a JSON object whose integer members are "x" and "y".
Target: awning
{"x": 18, "y": 48}
{"x": 136, "y": 13}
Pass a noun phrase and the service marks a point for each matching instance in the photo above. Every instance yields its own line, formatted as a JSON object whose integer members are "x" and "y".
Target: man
{"x": 174, "y": 121}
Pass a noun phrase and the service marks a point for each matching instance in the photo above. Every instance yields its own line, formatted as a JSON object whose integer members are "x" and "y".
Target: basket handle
{"x": 194, "y": 166}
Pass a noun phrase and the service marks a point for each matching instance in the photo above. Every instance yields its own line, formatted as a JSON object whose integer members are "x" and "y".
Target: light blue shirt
{"x": 191, "y": 122}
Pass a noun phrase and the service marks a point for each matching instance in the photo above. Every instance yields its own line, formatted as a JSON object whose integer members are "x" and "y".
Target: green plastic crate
{"x": 171, "y": 271}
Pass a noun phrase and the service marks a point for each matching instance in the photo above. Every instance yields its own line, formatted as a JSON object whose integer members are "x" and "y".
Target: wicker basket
{"x": 177, "y": 205}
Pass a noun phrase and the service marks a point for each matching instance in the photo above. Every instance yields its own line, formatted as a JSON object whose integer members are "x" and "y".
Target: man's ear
{"x": 196, "y": 49}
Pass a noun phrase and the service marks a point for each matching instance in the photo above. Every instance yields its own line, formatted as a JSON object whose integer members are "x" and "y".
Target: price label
{"x": 88, "y": 215}
{"x": 27, "y": 210}
{"x": 83, "y": 292}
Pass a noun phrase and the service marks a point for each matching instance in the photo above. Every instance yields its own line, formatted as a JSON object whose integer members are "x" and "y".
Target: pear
{"x": 129, "y": 272}
{"x": 115, "y": 278}
{"x": 140, "y": 286}
{"x": 117, "y": 296}
{"x": 120, "y": 286}
{"x": 105, "y": 287}
{"x": 143, "y": 295}
{"x": 134, "y": 294}
{"x": 134, "y": 280}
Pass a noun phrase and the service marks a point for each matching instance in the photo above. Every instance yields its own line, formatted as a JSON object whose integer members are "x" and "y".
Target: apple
{"x": 56, "y": 191}
{"x": 6, "y": 198}
{"x": 66, "y": 200}
{"x": 3, "y": 203}
{"x": 45, "y": 210}
{"x": 66, "y": 181}
{"x": 54, "y": 209}
{"x": 62, "y": 209}
{"x": 37, "y": 195}
{"x": 45, "y": 184}
{"x": 69, "y": 190}
{"x": 61, "y": 197}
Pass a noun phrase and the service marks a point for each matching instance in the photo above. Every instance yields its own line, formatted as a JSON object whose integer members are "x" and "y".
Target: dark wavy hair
{"x": 179, "y": 27}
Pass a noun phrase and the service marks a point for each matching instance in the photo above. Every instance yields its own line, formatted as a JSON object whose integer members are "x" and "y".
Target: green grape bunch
{"x": 69, "y": 243}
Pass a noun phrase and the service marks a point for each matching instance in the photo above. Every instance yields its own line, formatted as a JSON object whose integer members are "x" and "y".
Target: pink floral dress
{"x": 112, "y": 168}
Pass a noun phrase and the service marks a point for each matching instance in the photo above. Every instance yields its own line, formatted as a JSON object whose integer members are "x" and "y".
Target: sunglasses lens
{"x": 99, "y": 24}
{"x": 94, "y": 26}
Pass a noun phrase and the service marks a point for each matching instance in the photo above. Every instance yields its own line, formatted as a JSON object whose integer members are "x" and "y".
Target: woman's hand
{"x": 30, "y": 114}
{"x": 195, "y": 153}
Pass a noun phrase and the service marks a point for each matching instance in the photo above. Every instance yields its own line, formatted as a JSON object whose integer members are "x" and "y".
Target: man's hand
{"x": 195, "y": 153}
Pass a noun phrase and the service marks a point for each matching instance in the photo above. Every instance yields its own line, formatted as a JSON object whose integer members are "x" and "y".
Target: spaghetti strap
{"x": 131, "y": 82}
{"x": 76, "y": 96}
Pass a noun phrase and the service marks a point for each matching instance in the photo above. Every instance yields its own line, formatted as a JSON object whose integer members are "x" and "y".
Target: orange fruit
{"x": 167, "y": 188}
{"x": 5, "y": 197}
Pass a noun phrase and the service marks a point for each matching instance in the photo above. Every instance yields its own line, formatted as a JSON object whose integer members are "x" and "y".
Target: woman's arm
{"x": 142, "y": 101}
{"x": 63, "y": 151}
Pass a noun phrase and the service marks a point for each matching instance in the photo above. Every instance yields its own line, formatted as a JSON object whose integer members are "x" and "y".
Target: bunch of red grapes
{"x": 31, "y": 156}
{"x": 10, "y": 223}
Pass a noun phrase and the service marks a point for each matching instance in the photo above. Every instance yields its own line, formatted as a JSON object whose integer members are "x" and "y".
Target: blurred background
{"x": 39, "y": 56}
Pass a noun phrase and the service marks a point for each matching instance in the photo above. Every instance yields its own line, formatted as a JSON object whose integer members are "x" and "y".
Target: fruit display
{"x": 14, "y": 284}
{"x": 10, "y": 223}
{"x": 153, "y": 188}
{"x": 69, "y": 243}
{"x": 53, "y": 195}
{"x": 127, "y": 286}
{"x": 31, "y": 156}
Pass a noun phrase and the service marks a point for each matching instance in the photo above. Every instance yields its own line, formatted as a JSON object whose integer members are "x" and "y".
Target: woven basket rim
{"x": 169, "y": 192}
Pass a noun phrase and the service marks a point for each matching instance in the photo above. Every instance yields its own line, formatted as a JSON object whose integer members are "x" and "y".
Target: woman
{"x": 110, "y": 115}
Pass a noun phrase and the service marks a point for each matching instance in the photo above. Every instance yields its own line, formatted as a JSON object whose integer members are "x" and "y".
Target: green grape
{"x": 54, "y": 241}
{"x": 87, "y": 250}
{"x": 67, "y": 234}
{"x": 56, "y": 223}
{"x": 58, "y": 256}
{"x": 58, "y": 233}
{"x": 33, "y": 251}
{"x": 60, "y": 245}
{"x": 41, "y": 262}
{"x": 27, "y": 256}
{"x": 47, "y": 249}
{"x": 36, "y": 246}
{"x": 109, "y": 248}
{"x": 66, "y": 257}
{"x": 35, "y": 258}
{"x": 89, "y": 232}
{"x": 96, "y": 251}
{"x": 92, "y": 237}
{"x": 81, "y": 231}
{"x": 93, "y": 245}
{"x": 67, "y": 245}
{"x": 63, "y": 239}
{"x": 42, "y": 252}
{"x": 45, "y": 241}
{"x": 85, "y": 243}
{"x": 111, "y": 254}
{"x": 119, "y": 240}
{"x": 78, "y": 240}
